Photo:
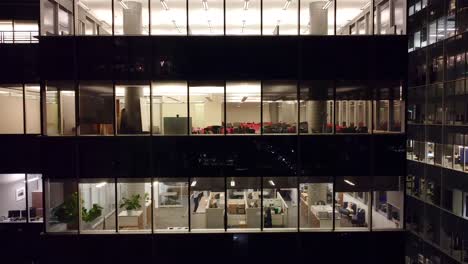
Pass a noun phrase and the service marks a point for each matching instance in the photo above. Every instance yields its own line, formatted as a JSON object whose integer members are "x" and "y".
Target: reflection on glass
{"x": 279, "y": 107}
{"x": 33, "y": 109}
{"x": 96, "y": 108}
{"x": 170, "y": 108}
{"x": 60, "y": 109}
{"x": 168, "y": 17}
{"x": 207, "y": 107}
{"x": 316, "y": 107}
{"x": 388, "y": 108}
{"x": 11, "y": 109}
{"x": 316, "y": 203}
{"x": 171, "y": 205}
{"x": 131, "y": 17}
{"x": 280, "y": 202}
{"x": 348, "y": 13}
{"x": 35, "y": 204}
{"x": 243, "y": 107}
{"x": 134, "y": 205}
{"x": 243, "y": 203}
{"x": 61, "y": 205}
{"x": 280, "y": 17}
{"x": 353, "y": 108}
{"x": 317, "y": 17}
{"x": 94, "y": 17}
{"x": 132, "y": 108}
{"x": 206, "y": 17}
{"x": 243, "y": 17}
{"x": 207, "y": 203}
{"x": 97, "y": 203}
{"x": 13, "y": 203}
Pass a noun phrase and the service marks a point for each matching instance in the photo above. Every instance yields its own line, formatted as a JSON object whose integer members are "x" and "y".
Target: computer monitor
{"x": 13, "y": 213}
{"x": 32, "y": 212}
{"x": 24, "y": 213}
{"x": 176, "y": 125}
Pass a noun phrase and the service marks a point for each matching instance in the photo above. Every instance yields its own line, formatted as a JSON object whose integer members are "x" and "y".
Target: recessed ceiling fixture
{"x": 271, "y": 183}
{"x": 327, "y": 4}
{"x": 123, "y": 4}
{"x": 100, "y": 185}
{"x": 193, "y": 183}
{"x": 286, "y": 5}
{"x": 209, "y": 26}
{"x": 350, "y": 182}
{"x": 205, "y": 4}
{"x": 243, "y": 26}
{"x": 164, "y": 5}
{"x": 246, "y": 4}
{"x": 33, "y": 179}
{"x": 233, "y": 183}
{"x": 176, "y": 26}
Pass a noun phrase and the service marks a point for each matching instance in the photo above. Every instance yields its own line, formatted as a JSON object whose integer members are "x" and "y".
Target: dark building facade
{"x": 204, "y": 130}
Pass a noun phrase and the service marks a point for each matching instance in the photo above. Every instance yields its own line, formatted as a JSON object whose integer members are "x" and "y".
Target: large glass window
{"x": 206, "y": 17}
{"x": 13, "y": 198}
{"x": 280, "y": 17}
{"x": 243, "y": 17}
{"x": 97, "y": 203}
{"x": 353, "y": 203}
{"x": 96, "y": 108}
{"x": 132, "y": 104}
{"x": 387, "y": 207}
{"x": 348, "y": 13}
{"x": 207, "y": 203}
{"x": 168, "y": 17}
{"x": 279, "y": 107}
{"x": 134, "y": 205}
{"x": 389, "y": 108}
{"x": 94, "y": 17}
{"x": 170, "y": 108}
{"x": 61, "y": 205}
{"x": 243, "y": 203}
{"x": 317, "y": 17}
{"x": 171, "y": 208}
{"x": 243, "y": 107}
{"x": 60, "y": 109}
{"x": 11, "y": 109}
{"x": 48, "y": 20}
{"x": 316, "y": 203}
{"x": 33, "y": 109}
{"x": 35, "y": 203}
{"x": 316, "y": 107}
{"x": 207, "y": 107}
{"x": 353, "y": 107}
{"x": 131, "y": 17}
{"x": 280, "y": 196}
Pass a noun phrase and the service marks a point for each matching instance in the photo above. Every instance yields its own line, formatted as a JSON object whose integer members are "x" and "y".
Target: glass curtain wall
{"x": 132, "y": 105}
{"x": 11, "y": 109}
{"x": 279, "y": 110}
{"x": 316, "y": 107}
{"x": 96, "y": 108}
{"x": 280, "y": 203}
{"x": 171, "y": 205}
{"x": 168, "y": 17}
{"x": 169, "y": 108}
{"x": 243, "y": 203}
{"x": 134, "y": 205}
{"x": 243, "y": 17}
{"x": 61, "y": 205}
{"x": 97, "y": 203}
{"x": 316, "y": 203}
{"x": 317, "y": 17}
{"x": 206, "y": 108}
{"x": 353, "y": 107}
{"x": 60, "y": 109}
{"x": 389, "y": 108}
{"x": 35, "y": 203}
{"x": 243, "y": 104}
{"x": 353, "y": 203}
{"x": 207, "y": 204}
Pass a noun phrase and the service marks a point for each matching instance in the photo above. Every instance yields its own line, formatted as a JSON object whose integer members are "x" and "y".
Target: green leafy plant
{"x": 91, "y": 214}
{"x": 131, "y": 204}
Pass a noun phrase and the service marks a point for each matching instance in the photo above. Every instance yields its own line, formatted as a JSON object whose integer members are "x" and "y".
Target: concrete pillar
{"x": 131, "y": 122}
{"x": 318, "y": 18}
{"x": 316, "y": 114}
{"x": 132, "y": 22}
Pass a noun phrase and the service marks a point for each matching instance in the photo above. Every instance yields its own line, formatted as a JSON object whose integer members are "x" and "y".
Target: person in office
{"x": 196, "y": 200}
{"x": 268, "y": 221}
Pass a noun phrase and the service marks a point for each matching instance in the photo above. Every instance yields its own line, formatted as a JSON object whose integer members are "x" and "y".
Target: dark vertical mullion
{"x": 261, "y": 107}
{"x": 42, "y": 105}
{"x": 113, "y": 18}
{"x": 261, "y": 17}
{"x": 116, "y": 205}
{"x": 74, "y": 19}
{"x": 26, "y": 189}
{"x": 225, "y": 109}
{"x": 189, "y": 205}
{"x": 114, "y": 109}
{"x": 44, "y": 205}
{"x": 187, "y": 10}
{"x": 24, "y": 110}
{"x": 76, "y": 86}
{"x": 335, "y": 107}
{"x": 299, "y": 17}
{"x": 334, "y": 203}
{"x": 225, "y": 202}
{"x": 224, "y": 17}
{"x": 298, "y": 160}
{"x": 371, "y": 201}
{"x": 335, "y": 4}
{"x": 149, "y": 17}
{"x": 261, "y": 203}
{"x": 189, "y": 127}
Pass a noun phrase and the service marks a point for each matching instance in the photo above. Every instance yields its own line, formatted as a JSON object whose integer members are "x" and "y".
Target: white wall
{"x": 247, "y": 112}
{"x": 11, "y": 115}
{"x": 33, "y": 116}
{"x": 10, "y": 183}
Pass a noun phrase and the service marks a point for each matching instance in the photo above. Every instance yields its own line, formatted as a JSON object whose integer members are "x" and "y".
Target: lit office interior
{"x": 220, "y": 204}
{"x": 21, "y": 198}
{"x": 216, "y": 17}
{"x": 18, "y": 31}
{"x": 223, "y": 108}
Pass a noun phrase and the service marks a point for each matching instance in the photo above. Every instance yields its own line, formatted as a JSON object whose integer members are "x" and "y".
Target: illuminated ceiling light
{"x": 366, "y": 5}
{"x": 271, "y": 183}
{"x": 176, "y": 26}
{"x": 100, "y": 185}
{"x": 156, "y": 182}
{"x": 243, "y": 26}
{"x": 83, "y": 5}
{"x": 193, "y": 183}
{"x": 286, "y": 5}
{"x": 327, "y": 4}
{"x": 209, "y": 26}
{"x": 244, "y": 99}
{"x": 350, "y": 182}
{"x": 205, "y": 4}
{"x": 164, "y": 5}
{"x": 246, "y": 4}
{"x": 33, "y": 179}
{"x": 123, "y": 4}
{"x": 233, "y": 183}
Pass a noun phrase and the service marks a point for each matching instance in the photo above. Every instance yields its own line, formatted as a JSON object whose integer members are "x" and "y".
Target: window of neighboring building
{"x": 353, "y": 107}
{"x": 13, "y": 207}
{"x": 387, "y": 206}
{"x": 97, "y": 16}
{"x": 35, "y": 202}
{"x": 316, "y": 107}
{"x": 389, "y": 107}
{"x": 33, "y": 109}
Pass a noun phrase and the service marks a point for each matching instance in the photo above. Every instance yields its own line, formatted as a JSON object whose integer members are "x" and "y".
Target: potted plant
{"x": 67, "y": 212}
{"x": 131, "y": 204}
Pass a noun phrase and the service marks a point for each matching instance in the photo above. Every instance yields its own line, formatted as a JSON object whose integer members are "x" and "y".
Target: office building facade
{"x": 242, "y": 127}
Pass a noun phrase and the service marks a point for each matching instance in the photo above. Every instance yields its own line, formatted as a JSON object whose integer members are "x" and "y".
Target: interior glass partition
{"x": 61, "y": 205}
{"x": 317, "y": 17}
{"x": 60, "y": 109}
{"x": 316, "y": 203}
{"x": 96, "y": 108}
{"x": 132, "y": 105}
{"x": 389, "y": 108}
{"x": 134, "y": 205}
{"x": 243, "y": 203}
{"x": 97, "y": 203}
{"x": 169, "y": 101}
{"x": 353, "y": 107}
{"x": 280, "y": 201}
{"x": 207, "y": 204}
{"x": 243, "y": 111}
{"x": 206, "y": 17}
{"x": 280, "y": 17}
{"x": 168, "y": 17}
{"x": 171, "y": 205}
{"x": 33, "y": 108}
{"x": 243, "y": 17}
{"x": 279, "y": 112}
{"x": 206, "y": 107}
{"x": 316, "y": 107}
{"x": 131, "y": 17}
{"x": 13, "y": 207}
{"x": 35, "y": 204}
{"x": 11, "y": 109}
